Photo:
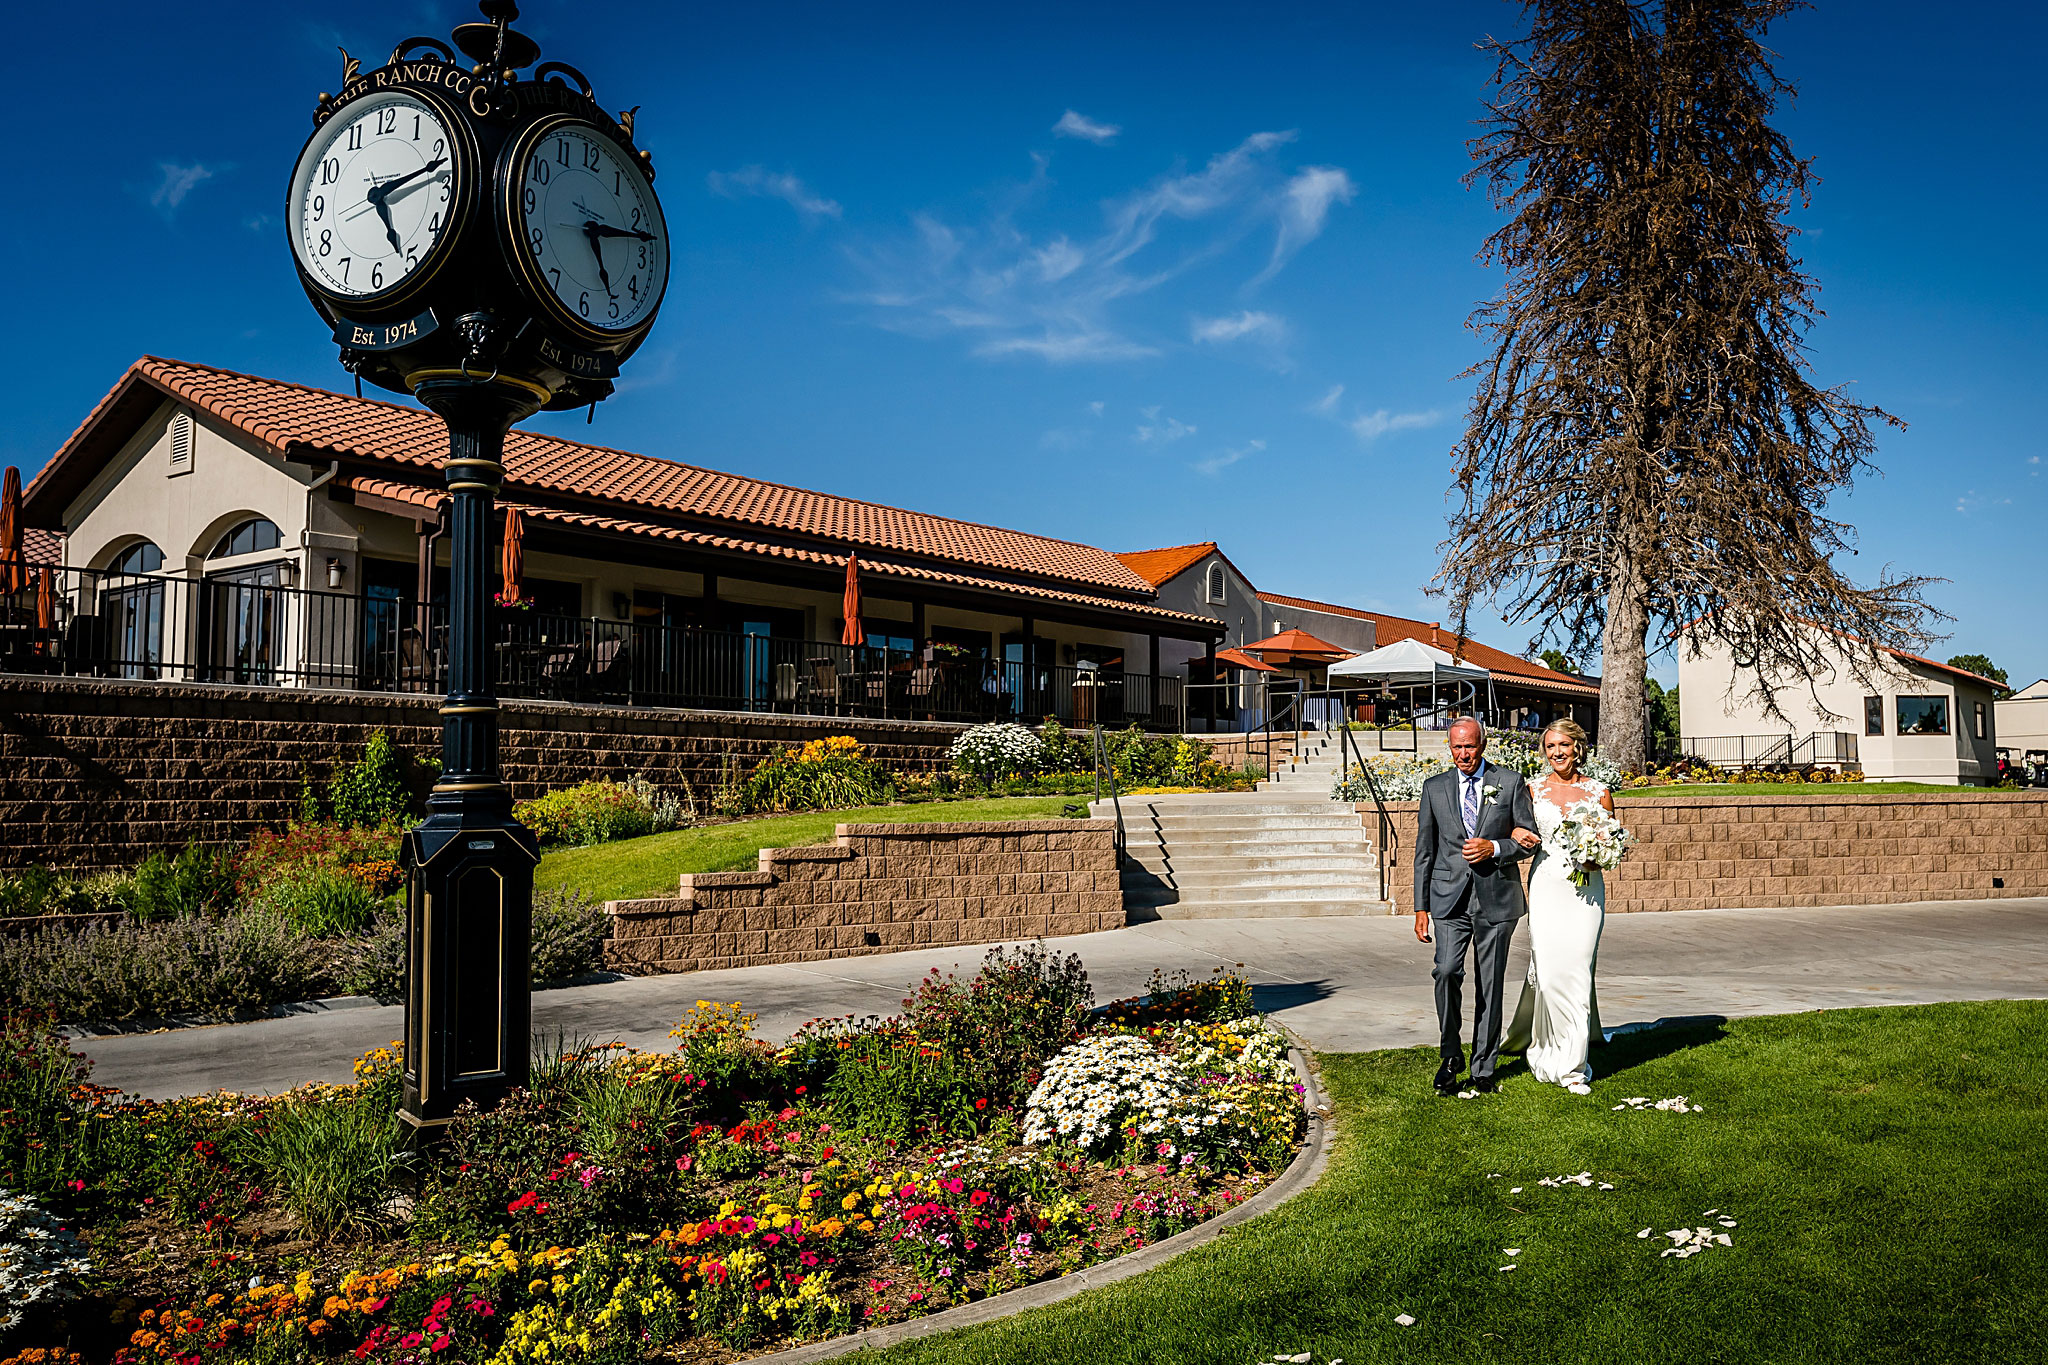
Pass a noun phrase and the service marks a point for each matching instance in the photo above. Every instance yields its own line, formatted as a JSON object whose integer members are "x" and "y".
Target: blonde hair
{"x": 1572, "y": 731}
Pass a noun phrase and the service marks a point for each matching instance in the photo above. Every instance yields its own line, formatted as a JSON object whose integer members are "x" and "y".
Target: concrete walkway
{"x": 1343, "y": 984}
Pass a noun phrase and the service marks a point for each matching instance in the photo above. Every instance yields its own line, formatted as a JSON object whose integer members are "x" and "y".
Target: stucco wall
{"x": 1711, "y": 703}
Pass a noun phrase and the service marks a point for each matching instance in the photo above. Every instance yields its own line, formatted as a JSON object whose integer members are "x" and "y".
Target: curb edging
{"x": 1301, "y": 1173}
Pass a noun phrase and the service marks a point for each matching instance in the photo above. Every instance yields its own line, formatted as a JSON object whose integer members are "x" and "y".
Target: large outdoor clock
{"x": 466, "y": 219}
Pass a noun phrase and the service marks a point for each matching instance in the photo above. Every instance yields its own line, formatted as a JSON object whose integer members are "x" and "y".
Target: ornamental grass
{"x": 730, "y": 1194}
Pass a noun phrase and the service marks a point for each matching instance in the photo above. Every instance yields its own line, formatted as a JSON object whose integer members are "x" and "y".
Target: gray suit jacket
{"x": 1441, "y": 872}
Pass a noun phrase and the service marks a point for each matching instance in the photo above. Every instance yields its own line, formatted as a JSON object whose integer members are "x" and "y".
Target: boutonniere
{"x": 1489, "y": 791}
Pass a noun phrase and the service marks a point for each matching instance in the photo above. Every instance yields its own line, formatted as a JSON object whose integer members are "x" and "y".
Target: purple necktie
{"x": 1472, "y": 805}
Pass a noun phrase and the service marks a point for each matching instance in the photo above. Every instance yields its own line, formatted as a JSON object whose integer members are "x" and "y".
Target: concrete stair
{"x": 1269, "y": 854}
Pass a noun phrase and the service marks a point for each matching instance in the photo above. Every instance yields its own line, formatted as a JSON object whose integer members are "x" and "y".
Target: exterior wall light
{"x": 333, "y": 573}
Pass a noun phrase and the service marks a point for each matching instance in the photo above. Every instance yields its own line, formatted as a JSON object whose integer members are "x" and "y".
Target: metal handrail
{"x": 1102, "y": 766}
{"x": 1389, "y": 838}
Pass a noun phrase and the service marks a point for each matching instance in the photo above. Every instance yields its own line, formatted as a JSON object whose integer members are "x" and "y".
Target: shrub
{"x": 997, "y": 751}
{"x": 718, "y": 1048}
{"x": 888, "y": 1083}
{"x": 187, "y": 966}
{"x": 195, "y": 882}
{"x": 373, "y": 963}
{"x": 589, "y": 813}
{"x": 834, "y": 773}
{"x": 39, "y": 891}
{"x": 270, "y": 857}
{"x": 323, "y": 903}
{"x": 1178, "y": 997}
{"x": 329, "y": 1161}
{"x": 1024, "y": 1005}
{"x": 372, "y": 792}
{"x": 568, "y": 935}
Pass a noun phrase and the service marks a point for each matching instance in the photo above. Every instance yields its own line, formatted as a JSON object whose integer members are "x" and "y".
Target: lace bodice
{"x": 1550, "y": 815}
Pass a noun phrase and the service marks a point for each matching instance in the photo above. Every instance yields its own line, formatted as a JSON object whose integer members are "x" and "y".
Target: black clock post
{"x": 422, "y": 213}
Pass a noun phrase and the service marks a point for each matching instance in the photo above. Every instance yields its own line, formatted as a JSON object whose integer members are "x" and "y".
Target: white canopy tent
{"x": 1413, "y": 665}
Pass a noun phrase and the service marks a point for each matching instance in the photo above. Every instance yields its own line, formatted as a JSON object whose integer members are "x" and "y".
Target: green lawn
{"x": 650, "y": 866}
{"x": 1798, "y": 789}
{"x": 1886, "y": 1168}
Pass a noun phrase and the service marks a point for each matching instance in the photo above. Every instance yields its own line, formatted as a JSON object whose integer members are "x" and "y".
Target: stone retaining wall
{"x": 1729, "y": 852}
{"x": 879, "y": 889}
{"x": 98, "y": 773}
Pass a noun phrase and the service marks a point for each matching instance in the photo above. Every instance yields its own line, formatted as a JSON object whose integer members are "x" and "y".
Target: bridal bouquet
{"x": 1592, "y": 837}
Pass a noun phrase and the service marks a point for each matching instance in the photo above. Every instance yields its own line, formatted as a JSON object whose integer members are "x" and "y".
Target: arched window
{"x": 1216, "y": 583}
{"x": 141, "y": 557}
{"x": 257, "y": 533}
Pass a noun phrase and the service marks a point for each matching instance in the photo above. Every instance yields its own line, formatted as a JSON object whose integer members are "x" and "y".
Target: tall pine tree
{"x": 1645, "y": 450}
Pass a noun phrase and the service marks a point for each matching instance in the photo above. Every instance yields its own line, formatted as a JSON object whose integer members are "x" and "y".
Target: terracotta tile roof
{"x": 427, "y": 499}
{"x": 1158, "y": 567}
{"x": 1994, "y": 684}
{"x": 39, "y": 546}
{"x": 293, "y": 417}
{"x": 1388, "y": 629}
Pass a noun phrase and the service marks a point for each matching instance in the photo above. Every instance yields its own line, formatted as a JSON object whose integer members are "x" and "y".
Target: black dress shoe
{"x": 1446, "y": 1079}
{"x": 1485, "y": 1085}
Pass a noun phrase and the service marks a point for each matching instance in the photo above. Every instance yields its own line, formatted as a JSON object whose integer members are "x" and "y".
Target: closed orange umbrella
{"x": 850, "y": 608}
{"x": 46, "y": 600}
{"x": 13, "y": 573}
{"x": 515, "y": 556}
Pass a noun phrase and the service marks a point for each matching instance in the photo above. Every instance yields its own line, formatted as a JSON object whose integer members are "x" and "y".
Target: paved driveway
{"x": 1343, "y": 984}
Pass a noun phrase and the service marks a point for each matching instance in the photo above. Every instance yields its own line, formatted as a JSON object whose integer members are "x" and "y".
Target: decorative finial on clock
{"x": 349, "y": 67}
{"x": 626, "y": 119}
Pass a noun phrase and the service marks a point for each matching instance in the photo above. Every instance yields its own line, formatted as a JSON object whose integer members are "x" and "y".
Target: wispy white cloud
{"x": 1327, "y": 404}
{"x": 1304, "y": 210}
{"x": 1072, "y": 124}
{"x": 1095, "y": 408}
{"x": 178, "y": 182}
{"x": 757, "y": 182}
{"x": 1066, "y": 295}
{"x": 1223, "y": 459}
{"x": 1160, "y": 431}
{"x": 1973, "y": 502}
{"x": 1370, "y": 426}
{"x": 1246, "y": 324}
{"x": 259, "y": 222}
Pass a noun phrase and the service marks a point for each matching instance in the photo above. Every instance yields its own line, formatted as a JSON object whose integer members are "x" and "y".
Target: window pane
{"x": 1923, "y": 715}
{"x": 143, "y": 558}
{"x": 258, "y": 533}
{"x": 1873, "y": 715}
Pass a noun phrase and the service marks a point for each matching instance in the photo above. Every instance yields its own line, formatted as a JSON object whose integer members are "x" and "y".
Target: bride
{"x": 1554, "y": 1023}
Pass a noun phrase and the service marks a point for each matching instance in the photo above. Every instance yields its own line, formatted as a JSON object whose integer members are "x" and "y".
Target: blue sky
{"x": 1134, "y": 275}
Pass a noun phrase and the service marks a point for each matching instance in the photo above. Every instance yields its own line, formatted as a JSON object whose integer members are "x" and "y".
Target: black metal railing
{"x": 1819, "y": 749}
{"x": 1350, "y": 758}
{"x": 254, "y": 629}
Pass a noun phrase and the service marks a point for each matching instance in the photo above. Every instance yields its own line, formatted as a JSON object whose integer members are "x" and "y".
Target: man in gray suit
{"x": 1467, "y": 881}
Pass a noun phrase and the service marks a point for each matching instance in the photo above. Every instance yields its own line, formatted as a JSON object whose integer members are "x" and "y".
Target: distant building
{"x": 2023, "y": 719}
{"x": 1918, "y": 720}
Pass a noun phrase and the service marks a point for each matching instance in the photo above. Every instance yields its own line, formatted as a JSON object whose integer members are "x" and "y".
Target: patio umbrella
{"x": 850, "y": 608}
{"x": 515, "y": 556}
{"x": 13, "y": 574}
{"x": 46, "y": 600}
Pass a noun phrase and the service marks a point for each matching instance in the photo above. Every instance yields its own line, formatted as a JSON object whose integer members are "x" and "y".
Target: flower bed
{"x": 729, "y": 1195}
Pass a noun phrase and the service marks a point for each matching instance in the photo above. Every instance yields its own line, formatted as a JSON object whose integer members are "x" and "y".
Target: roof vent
{"x": 1216, "y": 583}
{"x": 181, "y": 444}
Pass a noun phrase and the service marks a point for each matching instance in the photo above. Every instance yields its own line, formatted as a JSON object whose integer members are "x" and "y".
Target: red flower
{"x": 981, "y": 1104}
{"x": 978, "y": 1198}
{"x": 440, "y": 1344}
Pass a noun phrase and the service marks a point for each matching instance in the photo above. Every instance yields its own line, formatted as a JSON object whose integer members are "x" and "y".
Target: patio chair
{"x": 787, "y": 689}
{"x": 825, "y": 682}
{"x": 924, "y": 681}
{"x": 417, "y": 672}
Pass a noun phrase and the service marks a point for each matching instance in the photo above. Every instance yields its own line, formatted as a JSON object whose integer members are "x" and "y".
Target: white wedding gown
{"x": 1554, "y": 1022}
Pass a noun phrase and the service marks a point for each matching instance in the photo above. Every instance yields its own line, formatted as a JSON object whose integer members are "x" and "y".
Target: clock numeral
{"x": 633, "y": 287}
{"x": 583, "y": 303}
{"x": 615, "y": 310}
{"x": 355, "y": 138}
{"x": 434, "y": 223}
{"x": 330, "y": 170}
{"x": 636, "y": 217}
{"x": 562, "y": 150}
{"x": 555, "y": 278}
{"x": 592, "y": 158}
{"x": 319, "y": 206}
{"x": 528, "y": 199}
{"x": 643, "y": 255}
{"x": 344, "y": 269}
{"x": 387, "y": 121}
{"x": 415, "y": 127}
{"x": 412, "y": 257}
{"x": 541, "y": 171}
{"x": 327, "y": 242}
{"x": 615, "y": 180}
{"x": 535, "y": 244}
{"x": 377, "y": 275}
{"x": 439, "y": 147}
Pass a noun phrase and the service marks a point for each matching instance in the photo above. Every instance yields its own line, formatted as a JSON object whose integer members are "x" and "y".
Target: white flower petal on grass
{"x": 1404, "y": 1319}
{"x": 1512, "y": 1251}
{"x": 1505, "y": 1267}
{"x": 1516, "y": 1190}
{"x": 1644, "y": 1233}
{"x": 1726, "y": 1222}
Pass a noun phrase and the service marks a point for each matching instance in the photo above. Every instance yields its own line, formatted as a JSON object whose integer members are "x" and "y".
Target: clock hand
{"x": 381, "y": 194}
{"x": 382, "y": 191}
{"x": 390, "y": 232}
{"x": 597, "y": 229}
{"x": 592, "y": 235}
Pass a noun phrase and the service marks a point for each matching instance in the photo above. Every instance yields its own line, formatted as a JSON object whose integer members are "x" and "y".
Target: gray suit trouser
{"x": 1457, "y": 932}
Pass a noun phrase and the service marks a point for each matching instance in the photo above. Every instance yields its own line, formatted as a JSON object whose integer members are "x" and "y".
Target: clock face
{"x": 373, "y": 195}
{"x": 589, "y": 228}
